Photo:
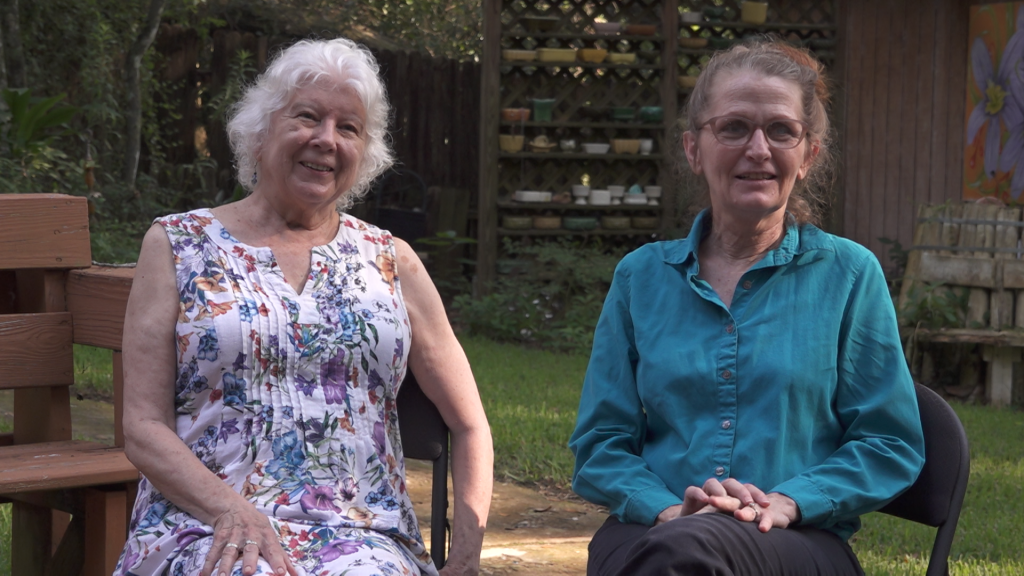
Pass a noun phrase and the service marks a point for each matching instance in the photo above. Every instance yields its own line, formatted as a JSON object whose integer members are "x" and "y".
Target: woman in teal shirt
{"x": 747, "y": 397}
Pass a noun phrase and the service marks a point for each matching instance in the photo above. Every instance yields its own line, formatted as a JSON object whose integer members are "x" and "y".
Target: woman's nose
{"x": 758, "y": 148}
{"x": 323, "y": 135}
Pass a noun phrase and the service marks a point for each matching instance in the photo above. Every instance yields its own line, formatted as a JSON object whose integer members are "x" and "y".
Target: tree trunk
{"x": 12, "y": 44}
{"x": 133, "y": 67}
{"x": 3, "y": 66}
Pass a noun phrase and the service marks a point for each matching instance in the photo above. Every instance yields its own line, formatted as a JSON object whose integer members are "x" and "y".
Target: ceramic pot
{"x": 646, "y": 146}
{"x": 542, "y": 108}
{"x": 754, "y": 12}
{"x": 510, "y": 143}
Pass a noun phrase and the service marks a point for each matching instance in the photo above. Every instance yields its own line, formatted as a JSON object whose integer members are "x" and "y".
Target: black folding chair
{"x": 425, "y": 437}
{"x": 936, "y": 497}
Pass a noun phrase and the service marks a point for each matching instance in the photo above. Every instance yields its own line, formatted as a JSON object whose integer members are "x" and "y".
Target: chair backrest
{"x": 936, "y": 497}
{"x": 425, "y": 437}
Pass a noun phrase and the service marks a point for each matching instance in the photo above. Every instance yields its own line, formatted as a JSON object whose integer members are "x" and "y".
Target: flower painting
{"x": 994, "y": 158}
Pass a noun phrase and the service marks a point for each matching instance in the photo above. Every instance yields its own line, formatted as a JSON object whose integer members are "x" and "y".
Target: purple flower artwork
{"x": 994, "y": 158}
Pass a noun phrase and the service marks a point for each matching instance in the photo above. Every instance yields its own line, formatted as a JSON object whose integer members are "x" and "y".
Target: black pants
{"x": 716, "y": 544}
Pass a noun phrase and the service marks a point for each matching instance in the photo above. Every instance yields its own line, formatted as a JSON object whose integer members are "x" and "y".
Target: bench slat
{"x": 35, "y": 350}
{"x": 98, "y": 297}
{"x": 59, "y": 465}
{"x": 44, "y": 231}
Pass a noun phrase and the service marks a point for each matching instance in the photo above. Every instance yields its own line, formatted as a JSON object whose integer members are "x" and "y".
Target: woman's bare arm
{"x": 442, "y": 370}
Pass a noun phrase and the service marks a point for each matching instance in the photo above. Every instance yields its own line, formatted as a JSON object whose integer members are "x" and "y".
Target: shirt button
{"x": 719, "y": 471}
{"x": 730, "y": 328}
{"x": 726, "y": 374}
{"x": 747, "y": 284}
{"x": 726, "y": 424}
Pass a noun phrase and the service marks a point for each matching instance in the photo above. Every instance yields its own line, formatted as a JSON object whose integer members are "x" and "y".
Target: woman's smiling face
{"x": 314, "y": 146}
{"x": 754, "y": 180}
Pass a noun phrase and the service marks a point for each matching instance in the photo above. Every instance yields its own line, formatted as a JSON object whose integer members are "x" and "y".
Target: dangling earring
{"x": 255, "y": 178}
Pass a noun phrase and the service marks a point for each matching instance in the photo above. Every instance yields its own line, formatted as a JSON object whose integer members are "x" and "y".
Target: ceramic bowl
{"x": 691, "y": 18}
{"x": 693, "y": 43}
{"x": 540, "y": 23}
{"x": 607, "y": 27}
{"x": 641, "y": 29}
{"x": 652, "y": 191}
{"x": 547, "y": 222}
{"x": 541, "y": 145}
{"x": 720, "y": 43}
{"x": 623, "y": 113}
{"x": 515, "y": 114}
{"x": 519, "y": 55}
{"x": 556, "y": 54}
{"x": 592, "y": 54}
{"x": 517, "y": 222}
{"x": 531, "y": 196}
{"x": 754, "y": 12}
{"x": 596, "y": 148}
{"x": 616, "y": 191}
{"x": 510, "y": 143}
{"x": 580, "y": 190}
{"x": 713, "y": 12}
{"x": 615, "y": 222}
{"x": 650, "y": 114}
{"x": 687, "y": 82}
{"x": 644, "y": 222}
{"x": 580, "y": 223}
{"x": 599, "y": 198}
{"x": 622, "y": 57}
{"x": 567, "y": 145}
{"x": 635, "y": 199}
{"x": 625, "y": 145}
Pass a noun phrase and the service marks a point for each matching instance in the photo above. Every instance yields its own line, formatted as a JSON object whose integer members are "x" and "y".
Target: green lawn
{"x": 531, "y": 398}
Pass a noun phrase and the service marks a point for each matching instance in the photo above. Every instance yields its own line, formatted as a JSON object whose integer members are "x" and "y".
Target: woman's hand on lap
{"x": 234, "y": 533}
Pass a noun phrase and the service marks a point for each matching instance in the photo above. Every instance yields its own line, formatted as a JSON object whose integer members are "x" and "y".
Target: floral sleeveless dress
{"x": 290, "y": 399}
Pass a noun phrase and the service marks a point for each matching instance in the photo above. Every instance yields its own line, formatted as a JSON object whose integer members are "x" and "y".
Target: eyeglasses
{"x": 736, "y": 131}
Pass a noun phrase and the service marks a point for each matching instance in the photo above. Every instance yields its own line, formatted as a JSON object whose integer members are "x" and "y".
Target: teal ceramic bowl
{"x": 650, "y": 114}
{"x": 623, "y": 113}
{"x": 579, "y": 223}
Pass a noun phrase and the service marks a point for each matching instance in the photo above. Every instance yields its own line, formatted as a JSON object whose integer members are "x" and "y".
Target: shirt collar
{"x": 798, "y": 240}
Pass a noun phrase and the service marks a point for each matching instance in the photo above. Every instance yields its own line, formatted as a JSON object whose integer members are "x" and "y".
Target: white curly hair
{"x": 337, "y": 63}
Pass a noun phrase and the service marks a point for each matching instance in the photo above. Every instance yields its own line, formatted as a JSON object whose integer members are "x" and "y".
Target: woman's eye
{"x": 781, "y": 130}
{"x": 734, "y": 127}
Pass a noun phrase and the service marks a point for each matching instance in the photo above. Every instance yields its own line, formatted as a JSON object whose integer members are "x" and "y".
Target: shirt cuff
{"x": 644, "y": 506}
{"x": 814, "y": 505}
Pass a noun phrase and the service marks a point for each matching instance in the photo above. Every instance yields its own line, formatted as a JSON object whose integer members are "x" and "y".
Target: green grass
{"x": 531, "y": 397}
{"x": 93, "y": 369}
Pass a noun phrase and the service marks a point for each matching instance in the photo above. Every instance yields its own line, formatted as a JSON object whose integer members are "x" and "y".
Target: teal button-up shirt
{"x": 800, "y": 387}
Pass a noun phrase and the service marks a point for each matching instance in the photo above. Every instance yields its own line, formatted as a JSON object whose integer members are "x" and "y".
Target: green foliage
{"x": 934, "y": 306}
{"x": 552, "y": 296}
{"x": 898, "y": 259}
{"x": 25, "y": 131}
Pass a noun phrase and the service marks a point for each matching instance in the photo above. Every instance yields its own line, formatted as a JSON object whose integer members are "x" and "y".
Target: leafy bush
{"x": 552, "y": 296}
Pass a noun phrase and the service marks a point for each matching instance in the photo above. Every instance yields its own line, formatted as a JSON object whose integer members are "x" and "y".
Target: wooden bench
{"x": 976, "y": 248}
{"x": 65, "y": 491}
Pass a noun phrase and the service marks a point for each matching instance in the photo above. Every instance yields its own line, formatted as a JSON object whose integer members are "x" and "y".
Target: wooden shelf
{"x": 581, "y": 36}
{"x": 767, "y": 26}
{"x": 594, "y": 232}
{"x": 578, "y": 64}
{"x": 551, "y": 206}
{"x": 579, "y": 156}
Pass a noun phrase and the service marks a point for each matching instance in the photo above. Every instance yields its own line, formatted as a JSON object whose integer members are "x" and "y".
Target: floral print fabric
{"x": 290, "y": 399}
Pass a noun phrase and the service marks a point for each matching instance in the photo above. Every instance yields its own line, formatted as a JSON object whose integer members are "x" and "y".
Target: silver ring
{"x": 757, "y": 513}
{"x": 253, "y": 542}
{"x": 231, "y": 545}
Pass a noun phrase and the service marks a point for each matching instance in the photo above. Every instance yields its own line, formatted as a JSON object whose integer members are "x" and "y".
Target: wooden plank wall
{"x": 903, "y": 86}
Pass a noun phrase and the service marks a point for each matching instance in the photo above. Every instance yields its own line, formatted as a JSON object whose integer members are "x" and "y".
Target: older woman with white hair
{"x": 265, "y": 342}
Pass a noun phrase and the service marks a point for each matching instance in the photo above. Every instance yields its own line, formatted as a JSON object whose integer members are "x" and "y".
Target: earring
{"x": 255, "y": 178}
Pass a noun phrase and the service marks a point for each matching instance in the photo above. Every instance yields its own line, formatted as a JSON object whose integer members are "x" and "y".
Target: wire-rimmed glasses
{"x": 783, "y": 133}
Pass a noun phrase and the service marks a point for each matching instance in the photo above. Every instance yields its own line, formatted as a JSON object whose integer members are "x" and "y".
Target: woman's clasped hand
{"x": 744, "y": 502}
